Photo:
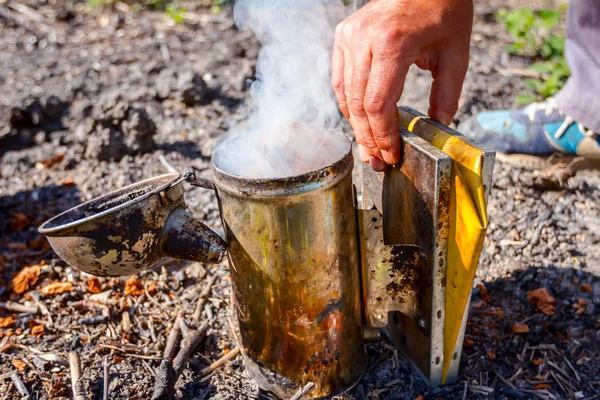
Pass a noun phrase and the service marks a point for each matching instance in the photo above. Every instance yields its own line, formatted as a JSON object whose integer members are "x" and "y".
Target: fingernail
{"x": 389, "y": 157}
{"x": 377, "y": 164}
{"x": 362, "y": 152}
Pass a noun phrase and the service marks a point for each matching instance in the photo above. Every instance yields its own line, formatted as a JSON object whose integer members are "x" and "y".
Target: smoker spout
{"x": 187, "y": 238}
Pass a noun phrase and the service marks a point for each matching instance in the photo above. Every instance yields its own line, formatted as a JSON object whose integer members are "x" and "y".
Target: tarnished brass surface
{"x": 131, "y": 229}
{"x": 294, "y": 266}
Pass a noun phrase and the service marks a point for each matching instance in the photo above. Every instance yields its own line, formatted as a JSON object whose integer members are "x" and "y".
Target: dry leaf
{"x": 483, "y": 293}
{"x": 491, "y": 355}
{"x": 50, "y": 162}
{"x": 67, "y": 181}
{"x": 541, "y": 386}
{"x": 38, "y": 331}
{"x": 537, "y": 361}
{"x": 468, "y": 342}
{"x": 586, "y": 288}
{"x": 7, "y": 321}
{"x": 520, "y": 328}
{"x": 478, "y": 305}
{"x": 94, "y": 285}
{"x": 55, "y": 288}
{"x": 541, "y": 299}
{"x": 18, "y": 364}
{"x": 420, "y": 397}
{"x": 25, "y": 279}
{"x": 134, "y": 287}
{"x": 496, "y": 311}
{"x": 19, "y": 222}
{"x": 153, "y": 289}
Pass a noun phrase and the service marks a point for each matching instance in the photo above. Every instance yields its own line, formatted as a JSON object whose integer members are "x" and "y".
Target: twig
{"x": 203, "y": 296}
{"x": 165, "y": 376}
{"x": 512, "y": 393}
{"x": 465, "y": 390}
{"x": 188, "y": 348}
{"x": 168, "y": 166}
{"x": 127, "y": 352}
{"x": 36, "y": 297}
{"x": 220, "y": 361}
{"x": 572, "y": 369}
{"x": 173, "y": 338}
{"x": 235, "y": 335}
{"x": 505, "y": 381}
{"x": 21, "y": 388}
{"x": 18, "y": 308}
{"x": 76, "y": 382}
{"x": 106, "y": 379}
{"x": 27, "y": 11}
{"x": 125, "y": 322}
{"x": 303, "y": 391}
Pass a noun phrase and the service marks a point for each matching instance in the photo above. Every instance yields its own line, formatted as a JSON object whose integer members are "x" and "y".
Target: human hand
{"x": 375, "y": 47}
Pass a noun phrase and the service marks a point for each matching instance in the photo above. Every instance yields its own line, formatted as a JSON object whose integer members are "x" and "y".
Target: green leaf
{"x": 525, "y": 98}
{"x": 533, "y": 84}
{"x": 543, "y": 67}
{"x": 549, "y": 18}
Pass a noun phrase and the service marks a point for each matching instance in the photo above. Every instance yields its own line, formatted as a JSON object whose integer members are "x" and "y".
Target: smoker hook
{"x": 189, "y": 175}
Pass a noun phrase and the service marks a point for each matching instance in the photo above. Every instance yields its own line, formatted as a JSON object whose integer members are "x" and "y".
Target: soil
{"x": 94, "y": 99}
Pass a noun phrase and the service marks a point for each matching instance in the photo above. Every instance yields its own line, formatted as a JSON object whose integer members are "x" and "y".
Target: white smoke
{"x": 291, "y": 129}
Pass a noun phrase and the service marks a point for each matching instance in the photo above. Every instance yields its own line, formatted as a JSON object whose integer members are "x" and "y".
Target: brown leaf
{"x": 38, "y": 331}
{"x": 50, "y": 162}
{"x": 18, "y": 364}
{"x": 7, "y": 321}
{"x": 55, "y": 288}
{"x": 25, "y": 279}
{"x": 520, "y": 328}
{"x": 483, "y": 293}
{"x": 67, "y": 181}
{"x": 541, "y": 299}
{"x": 134, "y": 287}
{"x": 468, "y": 342}
{"x": 541, "y": 386}
{"x": 40, "y": 242}
{"x": 19, "y": 222}
{"x": 586, "y": 288}
{"x": 491, "y": 355}
{"x": 537, "y": 361}
{"x": 496, "y": 311}
{"x": 94, "y": 285}
{"x": 420, "y": 397}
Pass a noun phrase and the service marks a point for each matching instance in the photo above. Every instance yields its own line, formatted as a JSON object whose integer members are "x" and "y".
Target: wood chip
{"x": 7, "y": 321}
{"x": 520, "y": 328}
{"x": 542, "y": 300}
{"x": 55, "y": 288}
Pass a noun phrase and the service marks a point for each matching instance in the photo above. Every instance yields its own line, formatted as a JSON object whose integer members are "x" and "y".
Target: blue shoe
{"x": 538, "y": 129}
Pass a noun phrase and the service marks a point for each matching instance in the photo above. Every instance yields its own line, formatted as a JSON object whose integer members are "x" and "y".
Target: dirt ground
{"x": 79, "y": 86}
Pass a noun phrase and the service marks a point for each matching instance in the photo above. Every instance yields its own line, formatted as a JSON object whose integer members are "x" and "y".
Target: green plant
{"x": 534, "y": 35}
{"x": 217, "y": 5}
{"x": 176, "y": 13}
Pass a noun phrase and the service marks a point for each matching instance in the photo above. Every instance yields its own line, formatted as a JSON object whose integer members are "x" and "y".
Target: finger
{"x": 356, "y": 78}
{"x": 337, "y": 72}
{"x": 447, "y": 84}
{"x": 386, "y": 83}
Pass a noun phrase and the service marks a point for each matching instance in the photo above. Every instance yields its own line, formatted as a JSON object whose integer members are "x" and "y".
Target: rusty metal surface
{"x": 122, "y": 232}
{"x": 428, "y": 129}
{"x": 294, "y": 265}
{"x": 414, "y": 201}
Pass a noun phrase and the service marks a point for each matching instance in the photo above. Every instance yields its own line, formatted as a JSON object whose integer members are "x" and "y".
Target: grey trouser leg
{"x": 580, "y": 97}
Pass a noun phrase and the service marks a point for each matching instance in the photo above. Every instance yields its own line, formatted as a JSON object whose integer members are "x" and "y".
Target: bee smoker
{"x": 317, "y": 273}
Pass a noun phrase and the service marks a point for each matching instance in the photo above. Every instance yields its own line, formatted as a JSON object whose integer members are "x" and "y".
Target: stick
{"x": 220, "y": 361}
{"x": 167, "y": 164}
{"x": 165, "y": 376}
{"x": 303, "y": 391}
{"x": 18, "y": 308}
{"x": 203, "y": 297}
{"x": 106, "y": 379}
{"x": 464, "y": 396}
{"x": 76, "y": 382}
{"x": 572, "y": 369}
{"x": 188, "y": 348}
{"x": 21, "y": 388}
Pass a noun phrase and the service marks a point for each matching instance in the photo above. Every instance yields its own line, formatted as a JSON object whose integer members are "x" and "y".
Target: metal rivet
{"x": 421, "y": 323}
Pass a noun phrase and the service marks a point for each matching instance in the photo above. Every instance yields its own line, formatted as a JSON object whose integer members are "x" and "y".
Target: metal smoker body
{"x": 312, "y": 270}
{"x": 293, "y": 259}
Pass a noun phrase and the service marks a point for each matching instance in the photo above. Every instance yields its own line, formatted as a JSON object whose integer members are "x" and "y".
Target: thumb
{"x": 447, "y": 84}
